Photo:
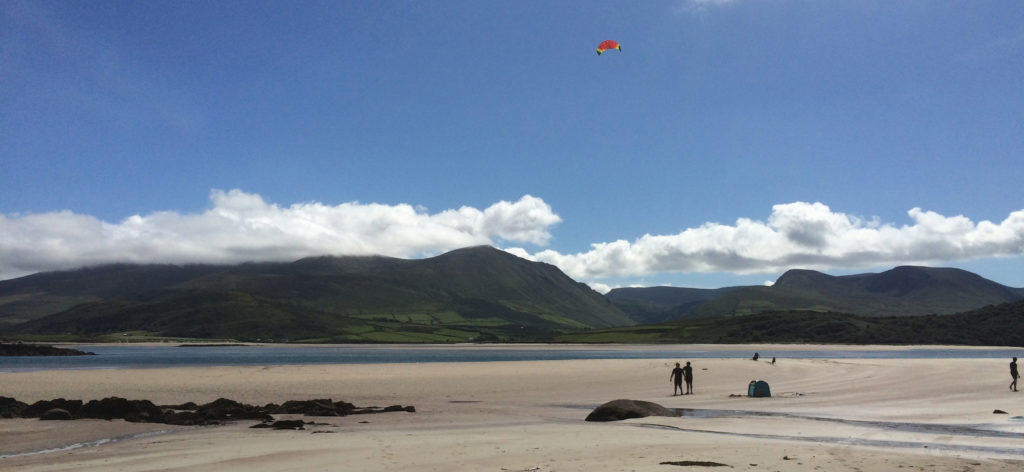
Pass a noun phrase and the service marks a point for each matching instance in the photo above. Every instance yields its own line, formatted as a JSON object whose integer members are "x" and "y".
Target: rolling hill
{"x": 480, "y": 294}
{"x": 901, "y": 291}
{"x": 477, "y": 293}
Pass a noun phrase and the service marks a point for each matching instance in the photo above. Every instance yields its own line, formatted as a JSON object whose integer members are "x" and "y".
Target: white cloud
{"x": 600, "y": 287}
{"x": 799, "y": 234}
{"x": 243, "y": 227}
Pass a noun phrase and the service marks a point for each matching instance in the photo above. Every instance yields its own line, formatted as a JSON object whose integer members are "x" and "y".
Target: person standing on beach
{"x": 676, "y": 377}
{"x": 688, "y": 377}
{"x": 1013, "y": 373}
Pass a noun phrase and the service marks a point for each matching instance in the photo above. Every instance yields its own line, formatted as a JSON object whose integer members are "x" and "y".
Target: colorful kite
{"x": 606, "y": 45}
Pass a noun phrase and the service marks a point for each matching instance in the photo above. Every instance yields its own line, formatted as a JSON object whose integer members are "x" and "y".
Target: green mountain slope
{"x": 473, "y": 293}
{"x": 993, "y": 325}
{"x": 902, "y": 291}
{"x": 658, "y": 304}
{"x": 47, "y": 293}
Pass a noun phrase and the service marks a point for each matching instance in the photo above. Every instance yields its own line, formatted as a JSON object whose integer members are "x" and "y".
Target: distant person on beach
{"x": 756, "y": 355}
{"x": 773, "y": 361}
{"x": 688, "y": 377}
{"x": 676, "y": 377}
{"x": 1013, "y": 373}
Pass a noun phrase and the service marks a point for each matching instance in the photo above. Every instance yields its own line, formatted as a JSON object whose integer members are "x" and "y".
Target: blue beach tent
{"x": 758, "y": 388}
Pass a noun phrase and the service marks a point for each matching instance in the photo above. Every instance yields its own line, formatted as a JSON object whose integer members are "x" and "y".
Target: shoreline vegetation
{"x": 986, "y": 326}
{"x": 23, "y": 349}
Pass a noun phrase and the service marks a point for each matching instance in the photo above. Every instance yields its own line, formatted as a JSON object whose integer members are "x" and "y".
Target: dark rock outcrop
{"x": 374, "y": 409}
{"x": 56, "y": 414}
{"x": 282, "y": 424}
{"x": 622, "y": 409}
{"x": 37, "y": 409}
{"x": 136, "y": 411}
{"x": 11, "y": 408}
{"x": 321, "y": 407}
{"x": 183, "y": 406}
{"x": 216, "y": 412}
{"x": 230, "y": 409}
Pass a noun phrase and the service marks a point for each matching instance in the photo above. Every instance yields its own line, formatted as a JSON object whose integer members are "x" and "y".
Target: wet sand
{"x": 832, "y": 415}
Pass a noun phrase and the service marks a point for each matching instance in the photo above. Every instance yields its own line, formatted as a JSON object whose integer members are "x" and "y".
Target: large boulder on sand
{"x": 616, "y": 410}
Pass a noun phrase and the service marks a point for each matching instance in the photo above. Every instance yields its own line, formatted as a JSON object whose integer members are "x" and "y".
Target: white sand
{"x": 528, "y": 416}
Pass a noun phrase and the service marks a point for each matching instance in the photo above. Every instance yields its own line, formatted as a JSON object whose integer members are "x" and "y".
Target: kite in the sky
{"x": 606, "y": 45}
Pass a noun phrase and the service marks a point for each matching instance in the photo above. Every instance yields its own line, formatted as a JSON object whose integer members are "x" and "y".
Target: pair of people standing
{"x": 679, "y": 375}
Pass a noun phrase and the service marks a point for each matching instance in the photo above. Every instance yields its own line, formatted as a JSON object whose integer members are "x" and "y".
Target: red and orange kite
{"x": 606, "y": 45}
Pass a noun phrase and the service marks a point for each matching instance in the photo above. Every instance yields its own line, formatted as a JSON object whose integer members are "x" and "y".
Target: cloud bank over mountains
{"x": 799, "y": 234}
{"x": 243, "y": 227}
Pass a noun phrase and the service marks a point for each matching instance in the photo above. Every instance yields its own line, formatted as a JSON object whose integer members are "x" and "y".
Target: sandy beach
{"x": 827, "y": 415}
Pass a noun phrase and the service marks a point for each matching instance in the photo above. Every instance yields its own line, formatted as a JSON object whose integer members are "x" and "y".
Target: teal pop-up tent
{"x": 758, "y": 388}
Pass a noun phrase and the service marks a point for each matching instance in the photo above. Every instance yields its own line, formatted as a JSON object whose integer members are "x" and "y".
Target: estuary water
{"x": 118, "y": 356}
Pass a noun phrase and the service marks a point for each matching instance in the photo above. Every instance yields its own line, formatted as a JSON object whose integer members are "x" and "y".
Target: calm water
{"x": 118, "y": 356}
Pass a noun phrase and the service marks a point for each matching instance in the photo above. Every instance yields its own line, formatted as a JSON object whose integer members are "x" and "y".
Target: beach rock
{"x": 217, "y": 412}
{"x": 192, "y": 418}
{"x": 322, "y": 407}
{"x": 136, "y": 411}
{"x": 56, "y": 414}
{"x": 214, "y": 413}
{"x": 37, "y": 409}
{"x": 223, "y": 408}
{"x": 374, "y": 410}
{"x": 287, "y": 424}
{"x": 326, "y": 407}
{"x": 281, "y": 424}
{"x": 11, "y": 408}
{"x": 697, "y": 464}
{"x": 622, "y": 409}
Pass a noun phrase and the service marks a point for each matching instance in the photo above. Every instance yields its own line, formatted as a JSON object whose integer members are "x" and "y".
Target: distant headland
{"x": 22, "y": 349}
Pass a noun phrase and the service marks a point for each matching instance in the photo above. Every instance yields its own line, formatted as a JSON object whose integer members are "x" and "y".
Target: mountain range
{"x": 477, "y": 293}
{"x": 472, "y": 294}
{"x": 901, "y": 291}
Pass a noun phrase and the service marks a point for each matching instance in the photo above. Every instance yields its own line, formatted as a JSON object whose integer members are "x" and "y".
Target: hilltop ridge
{"x": 901, "y": 291}
{"x": 467, "y": 294}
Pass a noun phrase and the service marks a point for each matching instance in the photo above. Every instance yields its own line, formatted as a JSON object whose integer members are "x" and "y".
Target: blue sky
{"x": 727, "y": 141}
